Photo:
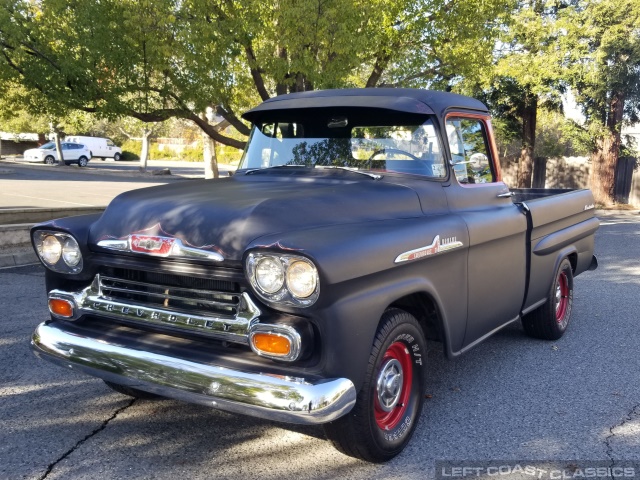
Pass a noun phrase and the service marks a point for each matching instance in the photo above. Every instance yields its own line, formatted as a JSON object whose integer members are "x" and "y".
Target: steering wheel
{"x": 392, "y": 150}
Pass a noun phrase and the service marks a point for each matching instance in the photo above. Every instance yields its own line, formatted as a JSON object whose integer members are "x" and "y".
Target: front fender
{"x": 360, "y": 277}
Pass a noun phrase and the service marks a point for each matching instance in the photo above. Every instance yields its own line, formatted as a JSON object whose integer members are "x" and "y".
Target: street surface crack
{"x": 102, "y": 426}
{"x": 635, "y": 411}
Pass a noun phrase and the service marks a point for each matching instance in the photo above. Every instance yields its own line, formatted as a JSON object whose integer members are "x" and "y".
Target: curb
{"x": 19, "y": 259}
{"x": 88, "y": 170}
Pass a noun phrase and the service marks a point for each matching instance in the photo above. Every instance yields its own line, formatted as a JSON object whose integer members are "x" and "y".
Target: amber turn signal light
{"x": 271, "y": 343}
{"x": 60, "y": 307}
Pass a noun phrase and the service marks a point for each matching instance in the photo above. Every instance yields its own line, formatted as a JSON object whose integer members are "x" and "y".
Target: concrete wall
{"x": 10, "y": 147}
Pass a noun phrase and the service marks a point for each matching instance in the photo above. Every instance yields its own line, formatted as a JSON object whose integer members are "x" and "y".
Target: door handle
{"x": 506, "y": 195}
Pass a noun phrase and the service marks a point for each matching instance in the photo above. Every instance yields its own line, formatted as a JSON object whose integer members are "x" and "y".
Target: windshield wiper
{"x": 273, "y": 166}
{"x": 352, "y": 170}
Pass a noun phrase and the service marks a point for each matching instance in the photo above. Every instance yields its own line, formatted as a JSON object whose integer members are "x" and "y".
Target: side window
{"x": 469, "y": 150}
{"x": 110, "y": 143}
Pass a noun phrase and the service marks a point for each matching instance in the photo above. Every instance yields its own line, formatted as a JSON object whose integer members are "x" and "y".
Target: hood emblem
{"x": 438, "y": 246}
{"x": 151, "y": 245}
{"x": 159, "y": 247}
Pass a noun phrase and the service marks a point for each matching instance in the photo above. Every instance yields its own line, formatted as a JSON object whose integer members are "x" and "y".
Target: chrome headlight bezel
{"x": 65, "y": 240}
{"x": 284, "y": 295}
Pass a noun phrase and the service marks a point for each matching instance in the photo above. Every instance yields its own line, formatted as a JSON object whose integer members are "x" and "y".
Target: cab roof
{"x": 401, "y": 100}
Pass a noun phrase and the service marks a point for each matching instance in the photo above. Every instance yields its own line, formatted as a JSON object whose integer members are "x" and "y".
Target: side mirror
{"x": 479, "y": 158}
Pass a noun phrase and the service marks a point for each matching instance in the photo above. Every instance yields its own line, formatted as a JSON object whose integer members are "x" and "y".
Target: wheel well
{"x": 573, "y": 260}
{"x": 424, "y": 308}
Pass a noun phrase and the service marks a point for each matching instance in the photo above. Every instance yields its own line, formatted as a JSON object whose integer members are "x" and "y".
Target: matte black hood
{"x": 227, "y": 214}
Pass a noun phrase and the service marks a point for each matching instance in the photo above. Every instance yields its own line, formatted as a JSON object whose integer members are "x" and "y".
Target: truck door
{"x": 497, "y": 228}
{"x": 110, "y": 146}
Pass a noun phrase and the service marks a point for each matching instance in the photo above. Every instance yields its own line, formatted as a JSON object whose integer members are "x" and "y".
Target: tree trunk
{"x": 59, "y": 150}
{"x": 378, "y": 68}
{"x": 605, "y": 158}
{"x": 603, "y": 167}
{"x": 144, "y": 153}
{"x": 0, "y": 148}
{"x": 281, "y": 87}
{"x": 210, "y": 160}
{"x": 209, "y": 150}
{"x": 529, "y": 119}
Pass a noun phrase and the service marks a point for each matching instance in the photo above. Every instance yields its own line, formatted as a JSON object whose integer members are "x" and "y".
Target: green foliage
{"x": 557, "y": 136}
{"x": 134, "y": 147}
{"x": 191, "y": 154}
{"x": 602, "y": 47}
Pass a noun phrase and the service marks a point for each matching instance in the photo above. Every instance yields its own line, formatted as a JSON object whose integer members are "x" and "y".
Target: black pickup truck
{"x": 302, "y": 289}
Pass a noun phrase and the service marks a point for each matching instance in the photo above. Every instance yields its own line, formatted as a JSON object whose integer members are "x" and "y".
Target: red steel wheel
{"x": 393, "y": 386}
{"x": 550, "y": 321}
{"x": 390, "y": 400}
{"x": 562, "y": 297}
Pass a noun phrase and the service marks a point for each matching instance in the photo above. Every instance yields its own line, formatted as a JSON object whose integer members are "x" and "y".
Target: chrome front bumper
{"x": 274, "y": 397}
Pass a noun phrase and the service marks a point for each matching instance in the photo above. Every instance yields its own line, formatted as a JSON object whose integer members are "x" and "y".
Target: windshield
{"x": 387, "y": 148}
{"x": 48, "y": 146}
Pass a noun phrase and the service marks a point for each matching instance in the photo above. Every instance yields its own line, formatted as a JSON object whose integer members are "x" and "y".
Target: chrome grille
{"x": 225, "y": 315}
{"x": 196, "y": 301}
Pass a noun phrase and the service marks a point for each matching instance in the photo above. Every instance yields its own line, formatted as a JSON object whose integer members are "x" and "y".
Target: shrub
{"x": 127, "y": 155}
{"x": 192, "y": 154}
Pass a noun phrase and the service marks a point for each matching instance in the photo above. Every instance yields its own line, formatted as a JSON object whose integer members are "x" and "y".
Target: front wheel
{"x": 389, "y": 403}
{"x": 83, "y": 161}
{"x": 49, "y": 160}
{"x": 116, "y": 157}
{"x": 550, "y": 321}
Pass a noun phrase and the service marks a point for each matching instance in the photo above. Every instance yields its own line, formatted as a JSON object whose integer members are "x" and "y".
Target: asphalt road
{"x": 512, "y": 398}
{"x": 44, "y": 186}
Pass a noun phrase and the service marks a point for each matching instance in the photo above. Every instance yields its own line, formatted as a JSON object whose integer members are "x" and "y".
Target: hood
{"x": 33, "y": 150}
{"x": 226, "y": 215}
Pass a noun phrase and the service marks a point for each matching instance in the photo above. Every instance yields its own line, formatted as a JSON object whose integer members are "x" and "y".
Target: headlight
{"x": 71, "y": 252}
{"x": 58, "y": 251}
{"x": 51, "y": 249}
{"x": 301, "y": 279}
{"x": 283, "y": 279}
{"x": 269, "y": 274}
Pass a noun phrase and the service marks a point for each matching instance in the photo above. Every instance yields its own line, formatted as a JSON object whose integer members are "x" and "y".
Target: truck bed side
{"x": 562, "y": 224}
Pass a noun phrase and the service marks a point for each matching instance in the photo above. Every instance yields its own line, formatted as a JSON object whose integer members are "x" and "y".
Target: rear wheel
{"x": 550, "y": 321}
{"x": 389, "y": 403}
{"x": 130, "y": 391}
{"x": 83, "y": 161}
{"x": 49, "y": 160}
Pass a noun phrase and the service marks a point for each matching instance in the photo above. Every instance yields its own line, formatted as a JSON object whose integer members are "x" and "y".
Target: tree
{"x": 528, "y": 74}
{"x": 154, "y": 60}
{"x": 602, "y": 45}
{"x": 134, "y": 129}
{"x": 113, "y": 58}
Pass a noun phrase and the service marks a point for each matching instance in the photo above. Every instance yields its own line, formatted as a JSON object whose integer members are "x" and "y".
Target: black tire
{"x": 550, "y": 321}
{"x": 83, "y": 161}
{"x": 116, "y": 157}
{"x": 131, "y": 392}
{"x": 374, "y": 432}
{"x": 49, "y": 160}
